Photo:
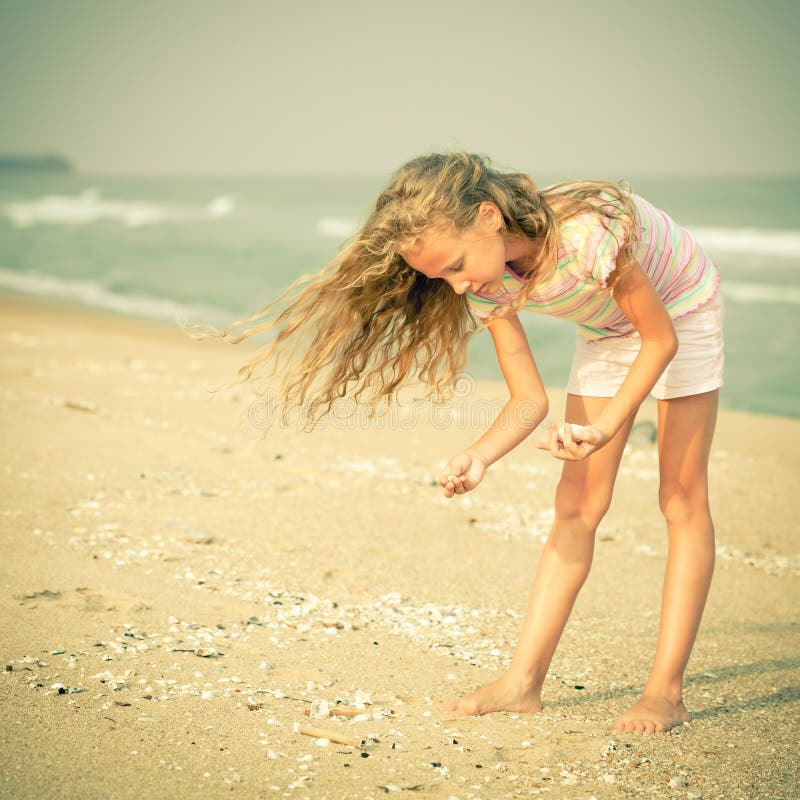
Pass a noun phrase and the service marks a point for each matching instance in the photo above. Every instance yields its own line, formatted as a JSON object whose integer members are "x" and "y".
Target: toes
{"x": 470, "y": 709}
{"x": 463, "y": 708}
{"x": 659, "y": 728}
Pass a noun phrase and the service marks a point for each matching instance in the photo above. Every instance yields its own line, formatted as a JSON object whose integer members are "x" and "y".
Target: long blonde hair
{"x": 368, "y": 323}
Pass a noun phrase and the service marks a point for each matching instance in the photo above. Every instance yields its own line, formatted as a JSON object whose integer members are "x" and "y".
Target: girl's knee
{"x": 577, "y": 502}
{"x": 680, "y": 502}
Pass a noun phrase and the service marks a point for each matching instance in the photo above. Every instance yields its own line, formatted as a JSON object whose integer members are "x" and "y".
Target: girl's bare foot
{"x": 501, "y": 695}
{"x": 652, "y": 714}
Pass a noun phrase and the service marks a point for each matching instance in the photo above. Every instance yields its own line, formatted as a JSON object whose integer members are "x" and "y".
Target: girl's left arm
{"x": 639, "y": 301}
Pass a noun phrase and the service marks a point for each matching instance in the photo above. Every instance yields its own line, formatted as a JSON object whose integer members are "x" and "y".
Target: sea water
{"x": 215, "y": 250}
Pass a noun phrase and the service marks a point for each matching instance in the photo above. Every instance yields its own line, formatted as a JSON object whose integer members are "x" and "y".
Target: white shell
{"x": 578, "y": 431}
{"x": 320, "y": 709}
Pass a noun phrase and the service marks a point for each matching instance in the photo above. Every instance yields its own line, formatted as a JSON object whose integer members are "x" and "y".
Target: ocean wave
{"x": 88, "y": 206}
{"x": 749, "y": 240}
{"x": 760, "y": 292}
{"x": 783, "y": 244}
{"x": 93, "y": 294}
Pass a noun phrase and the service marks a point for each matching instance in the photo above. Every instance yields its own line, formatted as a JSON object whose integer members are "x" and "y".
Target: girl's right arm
{"x": 523, "y": 412}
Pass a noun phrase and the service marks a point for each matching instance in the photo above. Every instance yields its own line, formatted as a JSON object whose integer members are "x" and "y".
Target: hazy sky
{"x": 598, "y": 88}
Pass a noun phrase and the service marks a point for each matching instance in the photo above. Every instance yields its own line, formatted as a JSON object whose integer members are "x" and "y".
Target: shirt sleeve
{"x": 596, "y": 246}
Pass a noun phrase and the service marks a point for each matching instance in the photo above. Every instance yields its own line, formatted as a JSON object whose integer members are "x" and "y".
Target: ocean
{"x": 214, "y": 250}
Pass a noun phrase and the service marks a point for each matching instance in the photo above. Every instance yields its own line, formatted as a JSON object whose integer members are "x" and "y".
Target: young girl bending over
{"x": 452, "y": 246}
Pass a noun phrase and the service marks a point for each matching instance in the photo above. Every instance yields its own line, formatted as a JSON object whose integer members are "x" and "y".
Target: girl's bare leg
{"x": 582, "y": 498}
{"x": 685, "y": 430}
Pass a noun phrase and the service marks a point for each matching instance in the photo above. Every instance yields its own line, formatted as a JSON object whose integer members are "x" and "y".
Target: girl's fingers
{"x": 569, "y": 440}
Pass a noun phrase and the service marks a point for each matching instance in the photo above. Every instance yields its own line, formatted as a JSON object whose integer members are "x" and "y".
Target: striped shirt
{"x": 683, "y": 275}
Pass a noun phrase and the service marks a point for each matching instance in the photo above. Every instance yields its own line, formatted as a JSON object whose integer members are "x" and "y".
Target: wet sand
{"x": 191, "y": 589}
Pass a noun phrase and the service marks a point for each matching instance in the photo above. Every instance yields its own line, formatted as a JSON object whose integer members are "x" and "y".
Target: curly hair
{"x": 368, "y": 323}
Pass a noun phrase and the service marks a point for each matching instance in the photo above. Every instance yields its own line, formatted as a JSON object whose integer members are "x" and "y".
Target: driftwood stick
{"x": 322, "y": 733}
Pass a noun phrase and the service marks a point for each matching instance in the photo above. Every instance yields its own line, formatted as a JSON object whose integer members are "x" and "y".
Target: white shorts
{"x": 599, "y": 367}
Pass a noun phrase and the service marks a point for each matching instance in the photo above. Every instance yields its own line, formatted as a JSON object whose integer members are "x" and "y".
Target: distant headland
{"x": 43, "y": 163}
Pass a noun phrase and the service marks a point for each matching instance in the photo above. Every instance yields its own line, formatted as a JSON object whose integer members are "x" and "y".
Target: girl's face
{"x": 472, "y": 261}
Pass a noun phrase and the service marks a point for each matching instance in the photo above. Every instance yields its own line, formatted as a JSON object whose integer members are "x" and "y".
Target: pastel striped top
{"x": 683, "y": 275}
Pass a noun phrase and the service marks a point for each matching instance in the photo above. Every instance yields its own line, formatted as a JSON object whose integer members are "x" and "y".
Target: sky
{"x": 240, "y": 88}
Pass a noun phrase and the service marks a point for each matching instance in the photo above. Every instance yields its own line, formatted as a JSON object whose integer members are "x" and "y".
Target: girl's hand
{"x": 464, "y": 472}
{"x": 571, "y": 442}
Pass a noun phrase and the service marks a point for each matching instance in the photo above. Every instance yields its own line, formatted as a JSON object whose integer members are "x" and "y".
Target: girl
{"x": 452, "y": 246}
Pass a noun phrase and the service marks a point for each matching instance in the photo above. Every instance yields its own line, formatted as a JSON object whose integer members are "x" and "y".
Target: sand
{"x": 145, "y": 522}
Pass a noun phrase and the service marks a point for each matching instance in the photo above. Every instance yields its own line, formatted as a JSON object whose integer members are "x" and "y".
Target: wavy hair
{"x": 368, "y": 323}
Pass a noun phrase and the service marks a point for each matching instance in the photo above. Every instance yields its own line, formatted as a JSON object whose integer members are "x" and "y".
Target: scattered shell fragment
{"x": 320, "y": 709}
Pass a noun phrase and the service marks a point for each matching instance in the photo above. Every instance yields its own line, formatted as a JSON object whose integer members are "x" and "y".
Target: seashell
{"x": 320, "y": 709}
{"x": 578, "y": 431}
{"x": 205, "y": 652}
{"x": 362, "y": 698}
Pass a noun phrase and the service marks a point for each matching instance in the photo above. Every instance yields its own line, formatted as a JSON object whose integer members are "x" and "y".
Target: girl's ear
{"x": 490, "y": 216}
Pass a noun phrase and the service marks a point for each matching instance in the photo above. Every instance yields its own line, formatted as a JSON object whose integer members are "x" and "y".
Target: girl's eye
{"x": 458, "y": 268}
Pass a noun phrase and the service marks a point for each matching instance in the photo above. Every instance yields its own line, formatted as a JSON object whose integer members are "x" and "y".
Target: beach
{"x": 178, "y": 590}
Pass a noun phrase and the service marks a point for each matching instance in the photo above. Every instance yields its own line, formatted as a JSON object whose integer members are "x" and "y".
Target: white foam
{"x": 221, "y": 206}
{"x": 93, "y": 294}
{"x": 749, "y": 240}
{"x": 760, "y": 292}
{"x": 88, "y": 206}
{"x": 337, "y": 227}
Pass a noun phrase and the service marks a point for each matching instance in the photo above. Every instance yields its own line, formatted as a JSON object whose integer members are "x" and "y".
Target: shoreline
{"x": 78, "y": 308}
{"x": 147, "y": 521}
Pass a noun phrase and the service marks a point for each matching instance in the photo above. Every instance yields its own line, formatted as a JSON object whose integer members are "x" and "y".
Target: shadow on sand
{"x": 788, "y": 694}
